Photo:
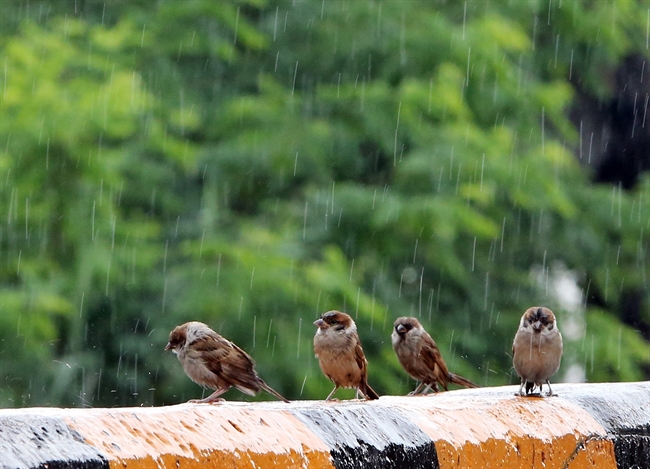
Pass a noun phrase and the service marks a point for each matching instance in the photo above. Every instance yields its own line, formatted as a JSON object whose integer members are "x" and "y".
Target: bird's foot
{"x": 528, "y": 394}
{"x": 207, "y": 400}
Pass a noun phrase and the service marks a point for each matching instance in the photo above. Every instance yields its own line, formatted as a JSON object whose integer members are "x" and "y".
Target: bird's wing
{"x": 213, "y": 349}
{"x": 433, "y": 360}
{"x": 362, "y": 363}
{"x": 239, "y": 370}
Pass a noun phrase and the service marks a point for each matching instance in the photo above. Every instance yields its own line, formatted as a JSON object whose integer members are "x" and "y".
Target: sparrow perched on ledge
{"x": 340, "y": 356}
{"x": 214, "y": 362}
{"x": 421, "y": 358}
{"x": 537, "y": 349}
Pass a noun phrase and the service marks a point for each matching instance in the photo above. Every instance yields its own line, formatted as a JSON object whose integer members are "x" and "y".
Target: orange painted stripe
{"x": 501, "y": 430}
{"x": 201, "y": 436}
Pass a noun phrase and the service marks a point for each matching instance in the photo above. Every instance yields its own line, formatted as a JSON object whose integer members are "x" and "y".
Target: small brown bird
{"x": 537, "y": 349}
{"x": 421, "y": 358}
{"x": 340, "y": 356}
{"x": 214, "y": 362}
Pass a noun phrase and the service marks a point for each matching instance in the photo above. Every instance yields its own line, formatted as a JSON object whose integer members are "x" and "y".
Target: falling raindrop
{"x": 268, "y": 335}
{"x": 473, "y": 253}
{"x": 592, "y": 354}
{"x": 27, "y": 218}
{"x": 202, "y": 240}
{"x": 165, "y": 257}
{"x": 464, "y": 19}
{"x": 415, "y": 250}
{"x": 302, "y": 388}
{"x": 430, "y": 303}
{"x": 218, "y": 269}
{"x": 399, "y": 111}
{"x": 487, "y": 288}
{"x": 254, "y": 328}
{"x": 295, "y": 73}
{"x": 356, "y": 312}
{"x": 108, "y": 274}
{"x": 298, "y": 342}
{"x": 135, "y": 376}
{"x": 164, "y": 298}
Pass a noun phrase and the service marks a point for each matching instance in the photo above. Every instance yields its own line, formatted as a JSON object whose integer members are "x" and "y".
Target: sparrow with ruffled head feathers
{"x": 420, "y": 357}
{"x": 537, "y": 349}
{"x": 340, "y": 356}
{"x": 214, "y": 362}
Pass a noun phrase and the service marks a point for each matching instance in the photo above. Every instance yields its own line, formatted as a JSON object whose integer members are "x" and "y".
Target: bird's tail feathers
{"x": 368, "y": 391}
{"x": 460, "y": 381}
{"x": 270, "y": 390}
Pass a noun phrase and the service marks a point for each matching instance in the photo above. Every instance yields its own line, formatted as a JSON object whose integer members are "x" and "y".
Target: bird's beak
{"x": 319, "y": 323}
{"x": 168, "y": 346}
{"x": 537, "y": 326}
{"x": 400, "y": 329}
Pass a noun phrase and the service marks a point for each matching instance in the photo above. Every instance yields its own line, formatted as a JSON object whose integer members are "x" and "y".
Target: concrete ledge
{"x": 586, "y": 425}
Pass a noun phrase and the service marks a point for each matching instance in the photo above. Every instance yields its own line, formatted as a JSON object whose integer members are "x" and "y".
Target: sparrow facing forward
{"x": 537, "y": 349}
{"x": 214, "y": 362}
{"x": 340, "y": 356}
{"x": 420, "y": 357}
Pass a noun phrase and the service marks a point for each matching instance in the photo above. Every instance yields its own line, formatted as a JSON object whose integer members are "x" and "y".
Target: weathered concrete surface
{"x": 32, "y": 440}
{"x": 585, "y": 426}
{"x": 624, "y": 413}
{"x": 383, "y": 437}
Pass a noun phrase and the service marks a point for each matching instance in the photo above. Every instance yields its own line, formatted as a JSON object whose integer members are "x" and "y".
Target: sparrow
{"x": 420, "y": 357}
{"x": 340, "y": 356}
{"x": 537, "y": 349}
{"x": 214, "y": 362}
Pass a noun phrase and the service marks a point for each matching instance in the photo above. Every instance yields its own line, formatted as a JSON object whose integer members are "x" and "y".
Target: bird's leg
{"x": 417, "y": 389}
{"x": 550, "y": 391}
{"x": 521, "y": 388}
{"x": 428, "y": 388}
{"x": 329, "y": 398}
{"x": 212, "y": 398}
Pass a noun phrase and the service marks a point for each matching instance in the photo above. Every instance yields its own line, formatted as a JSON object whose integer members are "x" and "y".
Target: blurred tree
{"x": 252, "y": 164}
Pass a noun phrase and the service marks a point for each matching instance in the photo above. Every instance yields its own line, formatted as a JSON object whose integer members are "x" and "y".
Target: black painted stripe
{"x": 623, "y": 410}
{"x": 31, "y": 441}
{"x": 364, "y": 436}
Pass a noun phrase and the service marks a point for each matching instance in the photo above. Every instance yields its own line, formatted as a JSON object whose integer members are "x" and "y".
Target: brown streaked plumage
{"x": 537, "y": 349}
{"x": 340, "y": 356}
{"x": 214, "y": 362}
{"x": 420, "y": 357}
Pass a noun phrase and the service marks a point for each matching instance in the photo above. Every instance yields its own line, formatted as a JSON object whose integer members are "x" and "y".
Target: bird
{"x": 340, "y": 356}
{"x": 420, "y": 357}
{"x": 214, "y": 362}
{"x": 537, "y": 349}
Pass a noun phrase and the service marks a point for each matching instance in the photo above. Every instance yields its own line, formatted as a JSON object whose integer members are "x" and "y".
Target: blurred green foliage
{"x": 252, "y": 164}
